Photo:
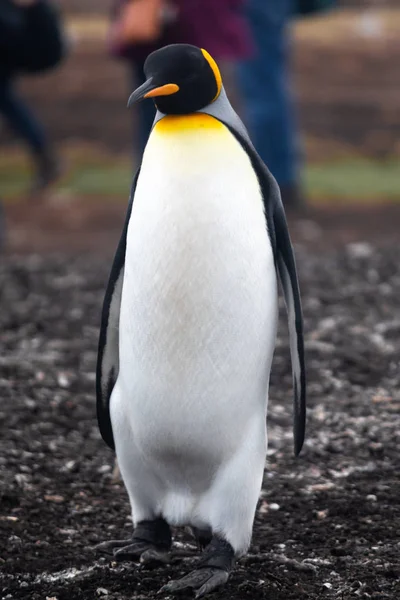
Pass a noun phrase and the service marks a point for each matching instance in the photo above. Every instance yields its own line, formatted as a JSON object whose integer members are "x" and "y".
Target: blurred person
{"x": 219, "y": 27}
{"x": 265, "y": 91}
{"x": 266, "y": 100}
{"x": 31, "y": 41}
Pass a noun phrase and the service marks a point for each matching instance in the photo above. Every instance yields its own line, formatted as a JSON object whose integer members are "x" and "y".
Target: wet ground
{"x": 328, "y": 522}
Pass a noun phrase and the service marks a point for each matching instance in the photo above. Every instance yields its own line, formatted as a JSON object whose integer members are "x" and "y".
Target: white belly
{"x": 199, "y": 301}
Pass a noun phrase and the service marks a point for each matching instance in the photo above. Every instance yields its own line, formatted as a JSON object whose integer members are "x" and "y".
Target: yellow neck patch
{"x": 182, "y": 123}
{"x": 215, "y": 70}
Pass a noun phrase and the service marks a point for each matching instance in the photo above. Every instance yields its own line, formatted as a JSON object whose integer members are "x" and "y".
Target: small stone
{"x": 14, "y": 540}
{"x": 322, "y": 514}
{"x": 376, "y": 449}
{"x": 104, "y": 469}
{"x": 274, "y": 506}
{"x": 102, "y": 592}
{"x": 360, "y": 250}
{"x": 263, "y": 509}
{"x": 318, "y": 561}
{"x": 67, "y": 531}
{"x": 379, "y": 398}
{"x": 321, "y": 487}
{"x": 29, "y": 403}
{"x": 54, "y": 498}
{"x": 63, "y": 380}
{"x": 21, "y": 479}
{"x": 372, "y": 498}
{"x": 327, "y": 324}
{"x": 42, "y": 543}
{"x": 327, "y": 585}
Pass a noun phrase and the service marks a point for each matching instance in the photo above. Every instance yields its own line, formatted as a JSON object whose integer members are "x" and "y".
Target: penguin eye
{"x": 191, "y": 78}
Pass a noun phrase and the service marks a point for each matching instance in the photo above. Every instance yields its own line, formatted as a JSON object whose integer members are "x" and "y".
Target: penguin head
{"x": 181, "y": 78}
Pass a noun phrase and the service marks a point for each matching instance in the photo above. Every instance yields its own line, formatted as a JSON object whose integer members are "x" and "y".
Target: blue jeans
{"x": 263, "y": 81}
{"x": 20, "y": 118}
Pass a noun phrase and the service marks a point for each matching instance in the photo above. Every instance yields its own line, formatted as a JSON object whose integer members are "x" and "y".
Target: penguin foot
{"x": 202, "y": 581}
{"x": 150, "y": 544}
{"x": 213, "y": 570}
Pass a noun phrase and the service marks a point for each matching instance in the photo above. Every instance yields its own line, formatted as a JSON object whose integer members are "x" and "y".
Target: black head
{"x": 181, "y": 78}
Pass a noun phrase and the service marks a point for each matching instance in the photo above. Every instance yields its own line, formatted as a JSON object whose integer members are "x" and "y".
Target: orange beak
{"x": 150, "y": 90}
{"x": 164, "y": 90}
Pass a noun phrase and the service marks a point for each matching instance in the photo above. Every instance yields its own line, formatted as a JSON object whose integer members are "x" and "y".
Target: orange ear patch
{"x": 215, "y": 70}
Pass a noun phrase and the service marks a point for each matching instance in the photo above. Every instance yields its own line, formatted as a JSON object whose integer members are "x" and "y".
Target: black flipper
{"x": 286, "y": 267}
{"x": 108, "y": 350}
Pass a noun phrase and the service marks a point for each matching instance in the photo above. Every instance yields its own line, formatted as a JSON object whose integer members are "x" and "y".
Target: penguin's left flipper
{"x": 286, "y": 266}
{"x": 108, "y": 349}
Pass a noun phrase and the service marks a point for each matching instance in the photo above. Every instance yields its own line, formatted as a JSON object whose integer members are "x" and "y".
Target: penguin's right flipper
{"x": 108, "y": 349}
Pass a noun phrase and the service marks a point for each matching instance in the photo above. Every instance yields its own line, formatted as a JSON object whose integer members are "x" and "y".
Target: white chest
{"x": 199, "y": 286}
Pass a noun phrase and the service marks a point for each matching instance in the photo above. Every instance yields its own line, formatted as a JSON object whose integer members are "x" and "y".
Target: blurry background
{"x": 346, "y": 81}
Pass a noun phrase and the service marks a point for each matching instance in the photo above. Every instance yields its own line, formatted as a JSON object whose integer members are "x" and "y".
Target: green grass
{"x": 113, "y": 180}
{"x": 354, "y": 180}
{"x": 85, "y": 175}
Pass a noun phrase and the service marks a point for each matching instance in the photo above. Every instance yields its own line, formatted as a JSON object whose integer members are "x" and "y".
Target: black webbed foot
{"x": 150, "y": 544}
{"x": 213, "y": 570}
{"x": 201, "y": 581}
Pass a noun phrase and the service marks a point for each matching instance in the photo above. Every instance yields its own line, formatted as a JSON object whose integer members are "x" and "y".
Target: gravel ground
{"x": 328, "y": 522}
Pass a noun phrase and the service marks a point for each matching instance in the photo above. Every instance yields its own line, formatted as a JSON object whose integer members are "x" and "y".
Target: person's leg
{"x": 145, "y": 112}
{"x": 20, "y": 118}
{"x": 264, "y": 86}
{"x": 2, "y": 227}
{"x": 24, "y": 123}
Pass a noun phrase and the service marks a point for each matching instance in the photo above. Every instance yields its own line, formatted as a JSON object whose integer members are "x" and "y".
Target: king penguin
{"x": 189, "y": 324}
